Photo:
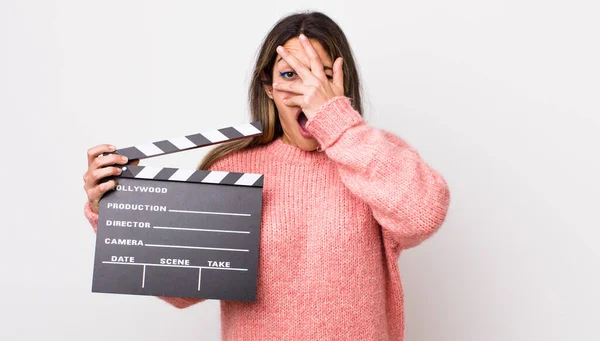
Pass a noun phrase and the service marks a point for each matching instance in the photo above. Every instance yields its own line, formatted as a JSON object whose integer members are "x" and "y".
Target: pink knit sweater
{"x": 333, "y": 226}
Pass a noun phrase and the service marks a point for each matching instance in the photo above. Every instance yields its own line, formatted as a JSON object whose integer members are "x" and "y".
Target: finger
{"x": 95, "y": 176}
{"x": 300, "y": 68}
{"x": 338, "y": 73}
{"x": 109, "y": 160}
{"x": 97, "y": 192}
{"x": 94, "y": 152}
{"x": 296, "y": 101}
{"x": 98, "y": 174}
{"x": 316, "y": 65}
{"x": 296, "y": 88}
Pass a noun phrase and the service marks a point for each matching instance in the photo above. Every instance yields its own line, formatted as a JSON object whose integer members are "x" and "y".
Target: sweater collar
{"x": 284, "y": 151}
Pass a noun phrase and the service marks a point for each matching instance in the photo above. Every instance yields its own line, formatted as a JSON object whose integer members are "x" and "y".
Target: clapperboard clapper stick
{"x": 181, "y": 232}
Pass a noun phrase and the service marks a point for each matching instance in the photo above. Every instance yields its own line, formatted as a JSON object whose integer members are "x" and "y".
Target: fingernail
{"x": 279, "y": 48}
{"x": 124, "y": 158}
{"x": 112, "y": 147}
{"x": 302, "y": 36}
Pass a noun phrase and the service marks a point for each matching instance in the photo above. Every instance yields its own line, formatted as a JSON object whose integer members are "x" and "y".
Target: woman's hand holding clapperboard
{"x": 99, "y": 167}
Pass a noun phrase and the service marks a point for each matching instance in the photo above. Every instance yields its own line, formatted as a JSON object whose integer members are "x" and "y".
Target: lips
{"x": 302, "y": 119}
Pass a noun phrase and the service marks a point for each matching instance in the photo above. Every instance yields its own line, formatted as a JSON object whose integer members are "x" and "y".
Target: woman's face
{"x": 290, "y": 116}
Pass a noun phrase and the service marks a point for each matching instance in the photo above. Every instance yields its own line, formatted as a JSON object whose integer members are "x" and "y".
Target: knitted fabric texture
{"x": 332, "y": 229}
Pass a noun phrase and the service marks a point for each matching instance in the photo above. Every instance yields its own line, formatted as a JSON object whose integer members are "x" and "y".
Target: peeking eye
{"x": 287, "y": 75}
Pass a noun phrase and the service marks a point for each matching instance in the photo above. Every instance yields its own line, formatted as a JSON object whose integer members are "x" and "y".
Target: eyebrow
{"x": 324, "y": 66}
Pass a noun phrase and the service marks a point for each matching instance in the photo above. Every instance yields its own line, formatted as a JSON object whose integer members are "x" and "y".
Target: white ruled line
{"x": 201, "y": 230}
{"x": 196, "y": 247}
{"x": 216, "y": 213}
{"x": 177, "y": 266}
{"x": 144, "y": 276}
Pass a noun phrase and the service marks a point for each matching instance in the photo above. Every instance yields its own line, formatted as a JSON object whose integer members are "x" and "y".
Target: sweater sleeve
{"x": 177, "y": 302}
{"x": 408, "y": 198}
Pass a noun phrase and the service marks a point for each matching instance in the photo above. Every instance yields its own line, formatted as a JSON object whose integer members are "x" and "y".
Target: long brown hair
{"x": 314, "y": 25}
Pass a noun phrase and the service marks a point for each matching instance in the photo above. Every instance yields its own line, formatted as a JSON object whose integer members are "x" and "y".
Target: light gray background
{"x": 500, "y": 96}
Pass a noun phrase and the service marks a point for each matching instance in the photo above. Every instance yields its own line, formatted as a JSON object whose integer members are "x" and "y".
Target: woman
{"x": 341, "y": 199}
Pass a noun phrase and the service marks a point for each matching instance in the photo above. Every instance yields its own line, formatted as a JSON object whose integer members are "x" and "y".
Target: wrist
{"x": 91, "y": 210}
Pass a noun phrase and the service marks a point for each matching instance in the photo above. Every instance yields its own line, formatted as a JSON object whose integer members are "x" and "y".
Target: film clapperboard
{"x": 180, "y": 232}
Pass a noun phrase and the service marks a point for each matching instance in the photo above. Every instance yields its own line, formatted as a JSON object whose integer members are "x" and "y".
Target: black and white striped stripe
{"x": 173, "y": 145}
{"x": 191, "y": 175}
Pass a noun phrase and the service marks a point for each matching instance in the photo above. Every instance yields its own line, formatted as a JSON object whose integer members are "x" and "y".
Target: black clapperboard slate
{"x": 180, "y": 232}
